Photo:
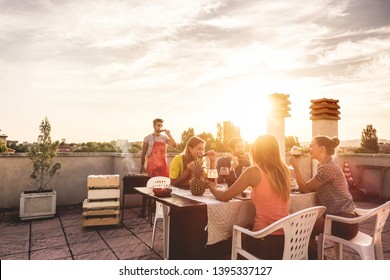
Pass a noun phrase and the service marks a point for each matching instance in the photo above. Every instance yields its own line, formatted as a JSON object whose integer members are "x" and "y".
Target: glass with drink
{"x": 296, "y": 152}
{"x": 224, "y": 173}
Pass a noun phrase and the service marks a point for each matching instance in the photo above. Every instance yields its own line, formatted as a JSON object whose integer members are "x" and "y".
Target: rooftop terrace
{"x": 64, "y": 238}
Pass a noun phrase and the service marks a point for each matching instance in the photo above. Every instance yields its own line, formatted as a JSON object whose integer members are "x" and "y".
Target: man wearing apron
{"x": 154, "y": 151}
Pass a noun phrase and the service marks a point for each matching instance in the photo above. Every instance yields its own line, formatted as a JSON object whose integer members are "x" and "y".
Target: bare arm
{"x": 250, "y": 177}
{"x": 171, "y": 141}
{"x": 304, "y": 186}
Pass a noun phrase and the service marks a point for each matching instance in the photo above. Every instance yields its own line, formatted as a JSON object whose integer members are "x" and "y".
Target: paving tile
{"x": 48, "y": 242}
{"x": 135, "y": 221}
{"x": 83, "y": 237}
{"x": 14, "y": 228}
{"x": 132, "y": 252}
{"x": 137, "y": 228}
{"x": 115, "y": 232}
{"x": 72, "y": 222}
{"x": 154, "y": 256}
{"x": 98, "y": 255}
{"x": 12, "y": 237}
{"x": 87, "y": 247}
{"x": 46, "y": 233}
{"x": 20, "y": 256}
{"x": 10, "y": 248}
{"x": 122, "y": 241}
{"x": 45, "y": 224}
{"x": 76, "y": 230}
{"x": 130, "y": 214}
{"x": 53, "y": 253}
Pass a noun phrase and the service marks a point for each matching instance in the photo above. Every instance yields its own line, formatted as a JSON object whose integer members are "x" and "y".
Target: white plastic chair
{"x": 369, "y": 247}
{"x": 162, "y": 212}
{"x": 297, "y": 229}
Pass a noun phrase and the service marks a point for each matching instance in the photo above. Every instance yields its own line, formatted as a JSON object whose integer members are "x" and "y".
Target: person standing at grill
{"x": 154, "y": 156}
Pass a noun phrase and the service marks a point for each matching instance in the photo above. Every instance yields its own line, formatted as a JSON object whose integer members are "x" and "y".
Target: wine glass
{"x": 296, "y": 152}
{"x": 212, "y": 174}
{"x": 224, "y": 173}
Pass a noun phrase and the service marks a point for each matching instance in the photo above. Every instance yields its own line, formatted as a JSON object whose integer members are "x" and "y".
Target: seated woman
{"x": 270, "y": 180}
{"x": 182, "y": 165}
{"x": 331, "y": 187}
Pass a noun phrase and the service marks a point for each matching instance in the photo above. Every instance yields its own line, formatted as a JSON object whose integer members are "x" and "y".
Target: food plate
{"x": 245, "y": 195}
{"x": 295, "y": 192}
{"x": 240, "y": 197}
{"x": 162, "y": 192}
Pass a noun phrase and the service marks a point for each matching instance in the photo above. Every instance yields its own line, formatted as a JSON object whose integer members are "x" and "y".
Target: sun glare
{"x": 250, "y": 115}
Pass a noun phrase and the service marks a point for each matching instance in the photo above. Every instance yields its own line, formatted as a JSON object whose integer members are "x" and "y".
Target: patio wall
{"x": 70, "y": 183}
{"x": 71, "y": 180}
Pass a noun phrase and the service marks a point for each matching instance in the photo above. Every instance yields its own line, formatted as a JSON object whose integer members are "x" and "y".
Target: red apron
{"x": 157, "y": 161}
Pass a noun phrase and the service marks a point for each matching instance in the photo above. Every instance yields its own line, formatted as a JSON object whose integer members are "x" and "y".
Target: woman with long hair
{"x": 183, "y": 164}
{"x": 270, "y": 180}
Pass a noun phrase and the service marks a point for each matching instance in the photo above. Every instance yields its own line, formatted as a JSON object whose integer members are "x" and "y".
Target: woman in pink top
{"x": 269, "y": 177}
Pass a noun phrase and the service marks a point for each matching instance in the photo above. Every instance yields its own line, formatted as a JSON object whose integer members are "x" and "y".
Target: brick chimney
{"x": 279, "y": 111}
{"x": 325, "y": 116}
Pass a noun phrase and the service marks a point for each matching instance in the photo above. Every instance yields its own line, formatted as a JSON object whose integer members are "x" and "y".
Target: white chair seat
{"x": 368, "y": 247}
{"x": 297, "y": 229}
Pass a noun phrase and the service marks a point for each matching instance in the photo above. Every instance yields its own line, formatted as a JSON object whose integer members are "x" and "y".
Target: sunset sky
{"x": 102, "y": 70}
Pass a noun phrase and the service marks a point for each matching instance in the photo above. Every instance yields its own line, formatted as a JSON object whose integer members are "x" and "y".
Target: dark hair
{"x": 157, "y": 120}
{"x": 232, "y": 143}
{"x": 330, "y": 144}
{"x": 192, "y": 142}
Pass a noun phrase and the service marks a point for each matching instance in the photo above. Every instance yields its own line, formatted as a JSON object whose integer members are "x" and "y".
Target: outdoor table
{"x": 200, "y": 226}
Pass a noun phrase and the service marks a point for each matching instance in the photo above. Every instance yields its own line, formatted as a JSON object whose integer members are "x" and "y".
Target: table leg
{"x": 143, "y": 207}
{"x": 150, "y": 201}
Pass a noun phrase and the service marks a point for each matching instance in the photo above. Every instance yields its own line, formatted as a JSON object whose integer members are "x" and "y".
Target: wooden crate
{"x": 106, "y": 220}
{"x": 96, "y": 181}
{"x": 102, "y": 206}
{"x": 100, "y": 213}
{"x": 101, "y": 194}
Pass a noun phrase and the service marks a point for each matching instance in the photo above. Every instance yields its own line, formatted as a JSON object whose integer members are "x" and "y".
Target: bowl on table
{"x": 162, "y": 192}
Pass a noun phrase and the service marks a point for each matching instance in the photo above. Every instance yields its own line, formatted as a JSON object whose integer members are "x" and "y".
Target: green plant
{"x": 369, "y": 139}
{"x": 42, "y": 156}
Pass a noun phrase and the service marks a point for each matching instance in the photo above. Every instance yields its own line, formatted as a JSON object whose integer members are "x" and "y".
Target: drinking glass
{"x": 212, "y": 174}
{"x": 224, "y": 173}
{"x": 296, "y": 151}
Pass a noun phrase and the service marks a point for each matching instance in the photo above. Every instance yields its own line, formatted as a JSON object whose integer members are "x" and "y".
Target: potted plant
{"x": 41, "y": 202}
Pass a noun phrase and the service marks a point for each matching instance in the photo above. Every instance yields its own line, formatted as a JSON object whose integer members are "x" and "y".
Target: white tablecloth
{"x": 221, "y": 215}
{"x": 302, "y": 201}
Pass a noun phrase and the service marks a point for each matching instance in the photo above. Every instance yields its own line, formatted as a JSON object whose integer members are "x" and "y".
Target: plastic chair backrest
{"x": 158, "y": 182}
{"x": 297, "y": 229}
{"x": 382, "y": 213}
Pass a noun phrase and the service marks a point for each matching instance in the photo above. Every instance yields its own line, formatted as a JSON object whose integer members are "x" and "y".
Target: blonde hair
{"x": 265, "y": 153}
{"x": 192, "y": 142}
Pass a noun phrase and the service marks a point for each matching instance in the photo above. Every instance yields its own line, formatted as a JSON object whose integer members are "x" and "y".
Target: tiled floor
{"x": 64, "y": 238}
